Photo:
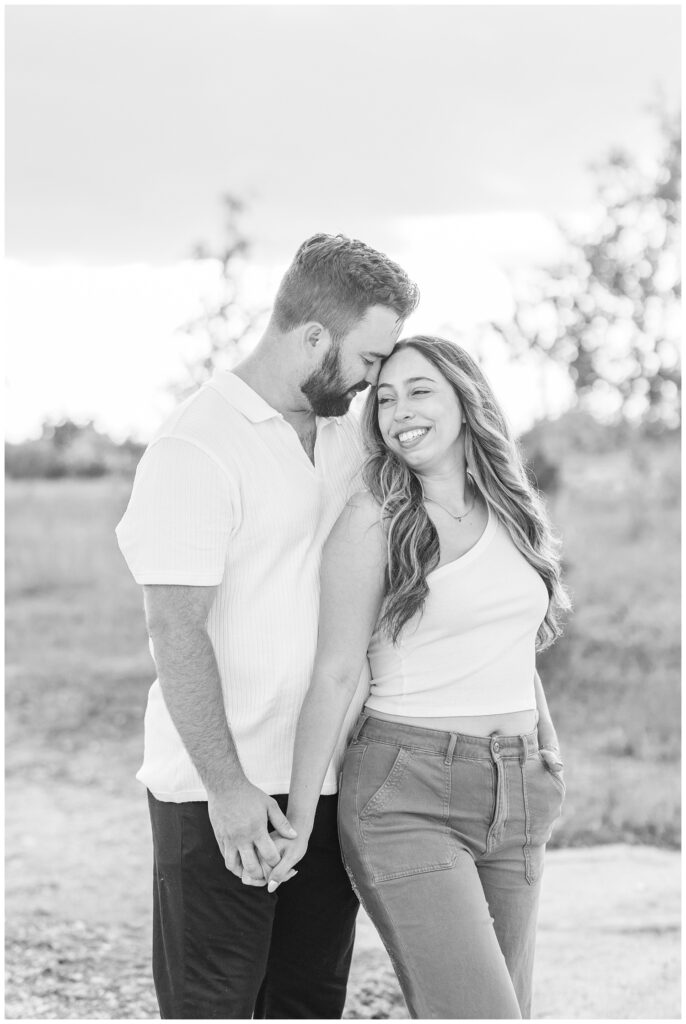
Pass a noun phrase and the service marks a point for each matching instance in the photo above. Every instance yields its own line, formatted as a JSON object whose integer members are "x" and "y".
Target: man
{"x": 230, "y": 508}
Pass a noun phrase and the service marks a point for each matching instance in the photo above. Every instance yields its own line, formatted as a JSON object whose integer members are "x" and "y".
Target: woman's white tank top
{"x": 472, "y": 650}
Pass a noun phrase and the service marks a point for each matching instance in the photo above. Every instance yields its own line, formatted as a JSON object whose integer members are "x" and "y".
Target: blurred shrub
{"x": 32, "y": 459}
{"x": 548, "y": 443}
{"x": 576, "y": 431}
{"x": 543, "y": 472}
{"x": 68, "y": 449}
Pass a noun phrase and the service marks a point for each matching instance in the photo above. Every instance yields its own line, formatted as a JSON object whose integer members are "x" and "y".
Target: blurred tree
{"x": 217, "y": 332}
{"x": 63, "y": 434}
{"x": 610, "y": 311}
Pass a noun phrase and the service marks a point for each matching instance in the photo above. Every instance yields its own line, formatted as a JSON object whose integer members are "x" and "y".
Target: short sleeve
{"x": 356, "y": 454}
{"x": 183, "y": 508}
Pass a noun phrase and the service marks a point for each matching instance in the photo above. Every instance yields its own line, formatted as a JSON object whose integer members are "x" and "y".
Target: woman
{"x": 445, "y": 575}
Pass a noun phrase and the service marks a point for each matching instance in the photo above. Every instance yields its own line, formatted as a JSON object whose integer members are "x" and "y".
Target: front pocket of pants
{"x": 376, "y": 757}
{"x": 403, "y": 829}
{"x": 545, "y": 794}
{"x": 555, "y": 776}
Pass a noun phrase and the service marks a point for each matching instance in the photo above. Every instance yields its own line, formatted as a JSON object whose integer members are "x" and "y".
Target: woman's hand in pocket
{"x": 552, "y": 757}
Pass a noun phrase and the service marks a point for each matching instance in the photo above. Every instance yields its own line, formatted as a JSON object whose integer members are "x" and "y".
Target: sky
{"x": 451, "y": 137}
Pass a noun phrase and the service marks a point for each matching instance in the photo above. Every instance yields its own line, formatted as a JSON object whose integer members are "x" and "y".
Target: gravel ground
{"x": 73, "y": 971}
{"x": 78, "y": 929}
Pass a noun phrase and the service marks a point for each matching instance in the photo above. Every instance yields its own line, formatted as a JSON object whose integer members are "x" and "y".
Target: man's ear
{"x": 315, "y": 336}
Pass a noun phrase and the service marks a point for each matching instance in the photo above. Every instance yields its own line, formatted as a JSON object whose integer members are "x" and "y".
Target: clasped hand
{"x": 240, "y": 820}
{"x": 291, "y": 852}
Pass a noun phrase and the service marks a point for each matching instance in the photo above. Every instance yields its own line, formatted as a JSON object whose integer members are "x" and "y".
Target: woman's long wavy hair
{"x": 496, "y": 468}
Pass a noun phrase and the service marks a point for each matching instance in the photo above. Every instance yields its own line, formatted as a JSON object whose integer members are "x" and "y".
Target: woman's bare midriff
{"x": 515, "y": 723}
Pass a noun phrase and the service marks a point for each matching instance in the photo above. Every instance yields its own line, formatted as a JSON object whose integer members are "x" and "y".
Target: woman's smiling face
{"x": 420, "y": 417}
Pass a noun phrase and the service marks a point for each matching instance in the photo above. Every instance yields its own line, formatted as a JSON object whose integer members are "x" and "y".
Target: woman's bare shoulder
{"x": 365, "y": 503}
{"x": 360, "y": 517}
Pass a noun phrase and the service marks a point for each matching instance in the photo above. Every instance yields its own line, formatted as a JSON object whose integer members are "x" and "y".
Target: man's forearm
{"x": 191, "y": 686}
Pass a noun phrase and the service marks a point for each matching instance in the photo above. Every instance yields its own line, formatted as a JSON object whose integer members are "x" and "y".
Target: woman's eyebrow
{"x": 409, "y": 380}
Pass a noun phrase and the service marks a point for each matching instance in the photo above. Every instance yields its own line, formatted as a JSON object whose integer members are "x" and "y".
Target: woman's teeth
{"x": 408, "y": 436}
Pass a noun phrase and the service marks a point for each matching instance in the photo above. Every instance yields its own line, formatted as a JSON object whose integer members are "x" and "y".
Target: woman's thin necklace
{"x": 452, "y": 515}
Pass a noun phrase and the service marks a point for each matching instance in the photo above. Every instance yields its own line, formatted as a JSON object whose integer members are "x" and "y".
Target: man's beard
{"x": 325, "y": 388}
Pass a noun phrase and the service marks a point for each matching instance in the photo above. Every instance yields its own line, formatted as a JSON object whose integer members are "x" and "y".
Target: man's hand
{"x": 291, "y": 851}
{"x": 241, "y": 822}
{"x": 281, "y": 845}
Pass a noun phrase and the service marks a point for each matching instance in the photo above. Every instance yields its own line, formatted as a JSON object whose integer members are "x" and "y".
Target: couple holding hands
{"x": 344, "y": 614}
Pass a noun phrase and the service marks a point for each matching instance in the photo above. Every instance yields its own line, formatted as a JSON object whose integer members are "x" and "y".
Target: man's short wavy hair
{"x": 334, "y": 280}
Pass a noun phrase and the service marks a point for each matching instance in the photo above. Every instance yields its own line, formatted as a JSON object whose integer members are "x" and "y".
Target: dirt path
{"x": 80, "y": 861}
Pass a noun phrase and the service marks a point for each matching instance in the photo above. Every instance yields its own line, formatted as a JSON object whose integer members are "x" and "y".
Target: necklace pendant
{"x": 457, "y": 518}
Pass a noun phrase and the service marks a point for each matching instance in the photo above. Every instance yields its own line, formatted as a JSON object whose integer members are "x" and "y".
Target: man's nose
{"x": 372, "y": 374}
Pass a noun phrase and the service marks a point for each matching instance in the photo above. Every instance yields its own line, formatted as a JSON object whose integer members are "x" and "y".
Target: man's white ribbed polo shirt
{"x": 226, "y": 495}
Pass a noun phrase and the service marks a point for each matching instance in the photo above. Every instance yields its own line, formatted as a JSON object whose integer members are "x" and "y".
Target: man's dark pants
{"x": 222, "y": 949}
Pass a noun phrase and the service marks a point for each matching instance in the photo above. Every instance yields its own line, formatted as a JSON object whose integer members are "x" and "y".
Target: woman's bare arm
{"x": 352, "y": 584}
{"x": 547, "y": 736}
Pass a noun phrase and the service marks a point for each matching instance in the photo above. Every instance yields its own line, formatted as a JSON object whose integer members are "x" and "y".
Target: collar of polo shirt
{"x": 247, "y": 401}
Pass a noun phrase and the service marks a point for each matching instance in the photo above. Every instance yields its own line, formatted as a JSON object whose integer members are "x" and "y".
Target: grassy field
{"x": 613, "y": 681}
{"x": 78, "y": 667}
{"x": 78, "y": 671}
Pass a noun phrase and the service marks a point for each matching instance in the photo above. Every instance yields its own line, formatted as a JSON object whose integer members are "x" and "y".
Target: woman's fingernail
{"x": 272, "y": 886}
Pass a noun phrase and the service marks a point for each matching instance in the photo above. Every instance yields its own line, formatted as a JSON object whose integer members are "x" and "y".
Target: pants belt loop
{"x": 358, "y": 727}
{"x": 451, "y": 749}
{"x": 524, "y": 751}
